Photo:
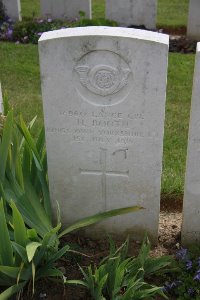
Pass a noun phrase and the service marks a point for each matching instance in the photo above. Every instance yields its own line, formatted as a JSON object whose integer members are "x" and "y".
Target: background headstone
{"x": 65, "y": 9}
{"x": 193, "y": 29}
{"x": 13, "y": 9}
{"x": 1, "y": 100}
{"x": 104, "y": 105}
{"x": 191, "y": 206}
{"x": 132, "y": 12}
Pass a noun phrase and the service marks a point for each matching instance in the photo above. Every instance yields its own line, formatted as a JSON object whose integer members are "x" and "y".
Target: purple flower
{"x": 181, "y": 254}
{"x": 49, "y": 20}
{"x": 166, "y": 287}
{"x": 39, "y": 33}
{"x": 9, "y": 33}
{"x": 198, "y": 261}
{"x": 197, "y": 276}
{"x": 190, "y": 292}
{"x": 188, "y": 264}
{"x": 169, "y": 286}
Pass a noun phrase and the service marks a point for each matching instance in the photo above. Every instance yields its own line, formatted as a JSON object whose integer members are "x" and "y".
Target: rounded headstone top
{"x": 106, "y": 31}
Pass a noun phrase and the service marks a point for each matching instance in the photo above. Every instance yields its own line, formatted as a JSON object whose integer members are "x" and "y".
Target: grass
{"x": 171, "y": 13}
{"x": 19, "y": 73}
{"x": 180, "y": 76}
{"x": 30, "y": 8}
{"x": 20, "y": 77}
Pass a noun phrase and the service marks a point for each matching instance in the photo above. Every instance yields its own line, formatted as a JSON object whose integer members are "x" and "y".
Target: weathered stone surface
{"x": 65, "y": 9}
{"x": 193, "y": 29}
{"x": 1, "y": 100}
{"x": 13, "y": 9}
{"x": 191, "y": 207}
{"x": 104, "y": 105}
{"x": 132, "y": 12}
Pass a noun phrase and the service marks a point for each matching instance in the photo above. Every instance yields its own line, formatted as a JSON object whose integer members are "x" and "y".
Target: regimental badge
{"x": 103, "y": 80}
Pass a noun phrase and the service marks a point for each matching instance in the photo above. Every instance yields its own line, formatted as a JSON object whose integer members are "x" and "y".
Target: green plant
{"x": 24, "y": 192}
{"x": 23, "y": 177}
{"x": 24, "y": 255}
{"x": 186, "y": 284}
{"x": 121, "y": 278}
{"x": 29, "y": 31}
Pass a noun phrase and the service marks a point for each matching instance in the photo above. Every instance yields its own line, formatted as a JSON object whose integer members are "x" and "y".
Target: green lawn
{"x": 19, "y": 73}
{"x": 170, "y": 12}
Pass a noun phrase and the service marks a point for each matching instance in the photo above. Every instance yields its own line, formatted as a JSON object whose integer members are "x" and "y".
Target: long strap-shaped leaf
{"x": 5, "y": 144}
{"x": 25, "y": 132}
{"x": 99, "y": 217}
{"x": 38, "y": 162}
{"x": 6, "y": 253}
{"x": 12, "y": 290}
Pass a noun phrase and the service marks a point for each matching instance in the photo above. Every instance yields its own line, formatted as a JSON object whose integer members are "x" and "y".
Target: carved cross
{"x": 104, "y": 172}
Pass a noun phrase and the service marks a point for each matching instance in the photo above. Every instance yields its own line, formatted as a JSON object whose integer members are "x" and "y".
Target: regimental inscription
{"x": 104, "y": 172}
{"x": 105, "y": 127}
{"x": 103, "y": 78}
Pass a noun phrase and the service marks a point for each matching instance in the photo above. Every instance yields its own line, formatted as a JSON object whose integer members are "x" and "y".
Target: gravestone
{"x": 132, "y": 12}
{"x": 1, "y": 100}
{"x": 193, "y": 29}
{"x": 13, "y": 9}
{"x": 104, "y": 105}
{"x": 65, "y": 9}
{"x": 191, "y": 206}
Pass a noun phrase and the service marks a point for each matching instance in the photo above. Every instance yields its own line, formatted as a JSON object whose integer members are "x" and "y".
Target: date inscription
{"x": 102, "y": 127}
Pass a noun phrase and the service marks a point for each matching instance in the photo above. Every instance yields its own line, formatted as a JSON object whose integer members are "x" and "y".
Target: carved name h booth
{"x": 104, "y": 105}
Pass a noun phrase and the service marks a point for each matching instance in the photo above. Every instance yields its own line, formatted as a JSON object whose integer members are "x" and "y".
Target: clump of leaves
{"x": 24, "y": 256}
{"x": 120, "y": 277}
{"x": 29, "y": 244}
{"x": 186, "y": 284}
{"x": 30, "y": 31}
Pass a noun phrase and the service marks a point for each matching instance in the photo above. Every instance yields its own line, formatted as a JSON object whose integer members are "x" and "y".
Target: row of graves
{"x": 125, "y": 12}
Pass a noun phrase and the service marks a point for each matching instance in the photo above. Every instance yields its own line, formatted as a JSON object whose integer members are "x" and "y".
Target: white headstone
{"x": 191, "y": 207}
{"x": 134, "y": 12}
{"x": 1, "y": 100}
{"x": 65, "y": 9}
{"x": 104, "y": 104}
{"x": 13, "y": 9}
{"x": 193, "y": 29}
